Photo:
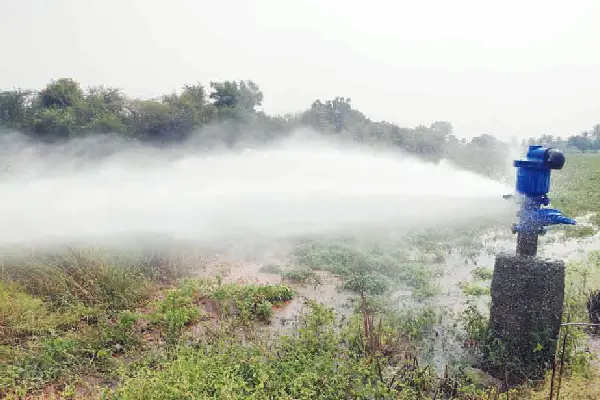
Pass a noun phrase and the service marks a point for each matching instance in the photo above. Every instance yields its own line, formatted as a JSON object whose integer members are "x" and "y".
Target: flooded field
{"x": 454, "y": 261}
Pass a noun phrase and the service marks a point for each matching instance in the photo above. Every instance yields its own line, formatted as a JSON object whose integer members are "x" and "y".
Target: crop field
{"x": 320, "y": 318}
{"x": 577, "y": 188}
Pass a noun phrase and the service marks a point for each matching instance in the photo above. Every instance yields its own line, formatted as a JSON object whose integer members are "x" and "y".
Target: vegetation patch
{"x": 363, "y": 361}
{"x": 271, "y": 269}
{"x": 301, "y": 275}
{"x": 78, "y": 278}
{"x": 482, "y": 273}
{"x": 576, "y": 190}
{"x": 474, "y": 289}
{"x": 367, "y": 272}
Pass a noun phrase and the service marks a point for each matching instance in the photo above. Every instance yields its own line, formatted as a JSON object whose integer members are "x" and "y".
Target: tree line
{"x": 64, "y": 110}
{"x": 587, "y": 141}
{"x": 225, "y": 113}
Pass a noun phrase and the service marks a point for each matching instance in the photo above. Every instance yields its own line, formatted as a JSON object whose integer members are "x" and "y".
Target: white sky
{"x": 502, "y": 67}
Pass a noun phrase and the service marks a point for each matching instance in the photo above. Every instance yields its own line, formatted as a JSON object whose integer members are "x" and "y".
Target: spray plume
{"x": 302, "y": 185}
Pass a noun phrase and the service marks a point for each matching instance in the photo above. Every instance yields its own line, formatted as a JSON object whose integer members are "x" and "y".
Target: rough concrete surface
{"x": 526, "y": 310}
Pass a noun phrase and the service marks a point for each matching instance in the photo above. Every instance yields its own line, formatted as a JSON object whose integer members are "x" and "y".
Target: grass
{"x": 474, "y": 289}
{"x": 576, "y": 189}
{"x": 23, "y": 316}
{"x": 45, "y": 341}
{"x": 76, "y": 277}
{"x": 317, "y": 361}
{"x": 573, "y": 387}
{"x": 369, "y": 272}
{"x": 78, "y": 317}
{"x": 67, "y": 316}
{"x": 301, "y": 275}
{"x": 482, "y": 273}
{"x": 479, "y": 286}
{"x": 62, "y": 342}
{"x": 62, "y": 357}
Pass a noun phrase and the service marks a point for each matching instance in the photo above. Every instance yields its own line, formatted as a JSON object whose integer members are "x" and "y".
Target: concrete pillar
{"x": 525, "y": 316}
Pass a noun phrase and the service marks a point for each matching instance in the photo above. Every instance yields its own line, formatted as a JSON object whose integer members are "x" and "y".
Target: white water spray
{"x": 301, "y": 185}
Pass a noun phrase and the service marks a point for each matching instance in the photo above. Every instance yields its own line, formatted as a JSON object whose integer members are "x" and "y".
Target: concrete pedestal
{"x": 525, "y": 315}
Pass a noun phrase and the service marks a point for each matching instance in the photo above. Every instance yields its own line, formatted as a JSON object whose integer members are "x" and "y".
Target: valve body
{"x": 532, "y": 186}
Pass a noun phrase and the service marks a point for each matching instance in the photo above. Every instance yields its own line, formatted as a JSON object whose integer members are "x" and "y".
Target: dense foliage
{"x": 226, "y": 113}
{"x": 63, "y": 110}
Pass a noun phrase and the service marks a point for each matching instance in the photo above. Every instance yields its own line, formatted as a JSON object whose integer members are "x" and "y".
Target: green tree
{"x": 62, "y": 93}
{"x": 150, "y": 120}
{"x": 15, "y": 108}
{"x": 60, "y": 123}
{"x": 581, "y": 142}
{"x": 335, "y": 115}
{"x": 103, "y": 110}
{"x": 231, "y": 96}
{"x": 189, "y": 110}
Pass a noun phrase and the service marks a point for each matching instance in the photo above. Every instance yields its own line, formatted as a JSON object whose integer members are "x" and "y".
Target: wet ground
{"x": 243, "y": 266}
{"x": 249, "y": 272}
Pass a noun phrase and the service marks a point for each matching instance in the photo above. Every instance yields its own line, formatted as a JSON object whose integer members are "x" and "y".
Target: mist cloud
{"x": 304, "y": 184}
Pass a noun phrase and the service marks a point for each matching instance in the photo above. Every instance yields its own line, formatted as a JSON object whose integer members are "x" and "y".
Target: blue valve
{"x": 535, "y": 220}
{"x": 533, "y": 185}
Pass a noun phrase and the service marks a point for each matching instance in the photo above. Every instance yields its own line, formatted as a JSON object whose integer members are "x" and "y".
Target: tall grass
{"x": 65, "y": 315}
{"x": 89, "y": 278}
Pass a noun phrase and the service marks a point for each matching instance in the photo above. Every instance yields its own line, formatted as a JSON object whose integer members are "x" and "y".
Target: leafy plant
{"x": 472, "y": 289}
{"x": 251, "y": 302}
{"x": 301, "y": 275}
{"x": 482, "y": 273}
{"x": 174, "y": 313}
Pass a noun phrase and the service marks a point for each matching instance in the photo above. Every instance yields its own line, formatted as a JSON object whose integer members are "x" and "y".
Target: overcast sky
{"x": 512, "y": 67}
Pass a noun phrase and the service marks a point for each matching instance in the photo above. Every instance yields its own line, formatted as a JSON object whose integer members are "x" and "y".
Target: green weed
{"x": 251, "y": 302}
{"x": 271, "y": 269}
{"x": 174, "y": 313}
{"x": 482, "y": 273}
{"x": 74, "y": 278}
{"x": 301, "y": 275}
{"x": 371, "y": 272}
{"x": 23, "y": 316}
{"x": 473, "y": 289}
{"x": 315, "y": 363}
{"x": 60, "y": 360}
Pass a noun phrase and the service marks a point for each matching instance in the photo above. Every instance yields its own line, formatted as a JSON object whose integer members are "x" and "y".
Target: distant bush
{"x": 271, "y": 269}
{"x": 301, "y": 275}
